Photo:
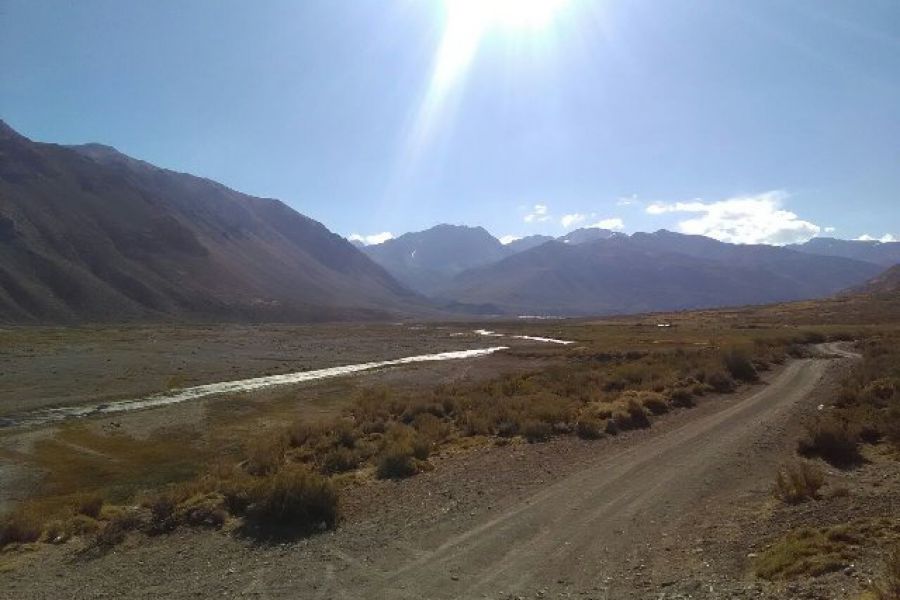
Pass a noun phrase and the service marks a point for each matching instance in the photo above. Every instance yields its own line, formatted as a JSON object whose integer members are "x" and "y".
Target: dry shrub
{"x": 720, "y": 382}
{"x": 62, "y": 530}
{"x": 589, "y": 428}
{"x": 401, "y": 451}
{"x": 300, "y": 433}
{"x": 162, "y": 511}
{"x": 343, "y": 434}
{"x": 396, "y": 461}
{"x": 633, "y": 416}
{"x": 888, "y": 588}
{"x": 265, "y": 455}
{"x": 654, "y": 402}
{"x": 431, "y": 428}
{"x": 473, "y": 424}
{"x": 341, "y": 460}
{"x": 508, "y": 428}
{"x": 891, "y": 426}
{"x": 681, "y": 397}
{"x": 89, "y": 505}
{"x": 537, "y": 431}
{"x": 832, "y": 440}
{"x": 116, "y": 529}
{"x": 202, "y": 510}
{"x": 294, "y": 498}
{"x": 798, "y": 481}
{"x": 20, "y": 527}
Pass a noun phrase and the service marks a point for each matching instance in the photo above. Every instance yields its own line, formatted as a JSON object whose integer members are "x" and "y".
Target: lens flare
{"x": 466, "y": 24}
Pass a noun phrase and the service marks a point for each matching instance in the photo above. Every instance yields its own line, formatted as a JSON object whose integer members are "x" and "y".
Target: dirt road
{"x": 595, "y": 517}
{"x": 628, "y": 521}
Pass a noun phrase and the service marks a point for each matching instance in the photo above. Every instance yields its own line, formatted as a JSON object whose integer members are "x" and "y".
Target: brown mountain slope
{"x": 89, "y": 234}
{"x": 886, "y": 284}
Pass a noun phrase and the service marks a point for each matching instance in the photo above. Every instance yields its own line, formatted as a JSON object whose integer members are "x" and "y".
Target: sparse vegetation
{"x": 811, "y": 551}
{"x": 282, "y": 475}
{"x": 740, "y": 366}
{"x": 798, "y": 481}
{"x": 888, "y": 587}
{"x": 807, "y": 551}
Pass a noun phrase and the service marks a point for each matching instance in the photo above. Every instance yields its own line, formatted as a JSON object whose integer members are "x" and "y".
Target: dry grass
{"x": 798, "y": 482}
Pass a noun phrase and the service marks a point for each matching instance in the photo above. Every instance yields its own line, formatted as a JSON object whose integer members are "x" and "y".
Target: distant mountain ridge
{"x": 443, "y": 262}
{"x": 881, "y": 253}
{"x": 427, "y": 260}
{"x": 651, "y": 272}
{"x": 90, "y": 234}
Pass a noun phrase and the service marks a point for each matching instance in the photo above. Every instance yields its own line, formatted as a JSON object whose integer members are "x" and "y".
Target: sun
{"x": 508, "y": 14}
{"x": 468, "y": 21}
{"x": 466, "y": 24}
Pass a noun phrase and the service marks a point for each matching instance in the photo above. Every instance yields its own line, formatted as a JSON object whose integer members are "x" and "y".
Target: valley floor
{"x": 676, "y": 511}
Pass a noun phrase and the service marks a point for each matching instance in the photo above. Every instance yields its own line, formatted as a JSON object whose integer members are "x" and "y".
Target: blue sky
{"x": 757, "y": 120}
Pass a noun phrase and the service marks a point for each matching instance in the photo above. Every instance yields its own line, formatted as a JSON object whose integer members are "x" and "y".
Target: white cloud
{"x": 538, "y": 214}
{"x": 509, "y": 239}
{"x": 628, "y": 200}
{"x": 830, "y": 229}
{"x": 756, "y": 219}
{"x": 569, "y": 221}
{"x": 886, "y": 238}
{"x": 615, "y": 224}
{"x": 370, "y": 240}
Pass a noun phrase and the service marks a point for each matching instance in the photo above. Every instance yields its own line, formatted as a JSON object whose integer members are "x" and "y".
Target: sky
{"x": 752, "y": 121}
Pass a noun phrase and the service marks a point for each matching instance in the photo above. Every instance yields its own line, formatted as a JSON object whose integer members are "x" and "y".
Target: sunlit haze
{"x": 751, "y": 122}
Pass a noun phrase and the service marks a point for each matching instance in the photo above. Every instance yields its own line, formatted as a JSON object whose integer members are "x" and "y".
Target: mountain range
{"x": 597, "y": 271}
{"x": 88, "y": 234}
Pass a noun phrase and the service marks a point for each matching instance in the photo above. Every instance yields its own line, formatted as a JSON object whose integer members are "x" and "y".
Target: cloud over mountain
{"x": 758, "y": 219}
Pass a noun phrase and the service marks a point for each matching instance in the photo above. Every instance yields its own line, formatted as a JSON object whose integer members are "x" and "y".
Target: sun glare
{"x": 468, "y": 21}
{"x": 466, "y": 24}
